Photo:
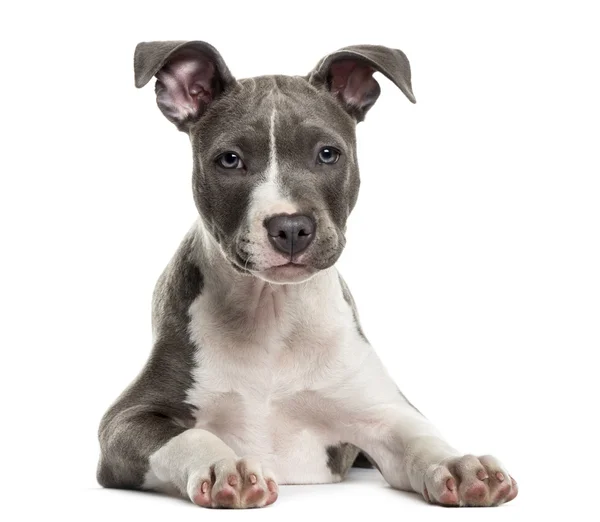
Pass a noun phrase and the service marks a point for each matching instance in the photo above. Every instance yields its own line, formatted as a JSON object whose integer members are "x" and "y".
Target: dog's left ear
{"x": 348, "y": 74}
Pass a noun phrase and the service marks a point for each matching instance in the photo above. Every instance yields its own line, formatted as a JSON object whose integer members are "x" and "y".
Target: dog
{"x": 260, "y": 373}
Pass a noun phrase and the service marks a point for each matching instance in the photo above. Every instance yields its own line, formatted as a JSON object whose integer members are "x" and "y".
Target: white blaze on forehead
{"x": 272, "y": 168}
{"x": 267, "y": 197}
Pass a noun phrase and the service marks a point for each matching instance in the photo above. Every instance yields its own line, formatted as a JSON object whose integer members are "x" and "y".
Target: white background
{"x": 473, "y": 253}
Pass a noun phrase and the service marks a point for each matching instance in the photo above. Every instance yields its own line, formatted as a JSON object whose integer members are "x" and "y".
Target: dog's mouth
{"x": 290, "y": 272}
{"x": 289, "y": 263}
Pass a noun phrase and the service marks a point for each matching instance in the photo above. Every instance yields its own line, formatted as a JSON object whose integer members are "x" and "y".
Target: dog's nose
{"x": 291, "y": 233}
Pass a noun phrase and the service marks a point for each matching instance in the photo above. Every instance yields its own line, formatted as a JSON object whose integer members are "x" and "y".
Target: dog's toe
{"x": 469, "y": 481}
{"x": 231, "y": 483}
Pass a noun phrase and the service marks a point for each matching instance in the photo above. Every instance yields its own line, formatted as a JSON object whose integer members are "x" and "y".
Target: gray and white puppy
{"x": 260, "y": 373}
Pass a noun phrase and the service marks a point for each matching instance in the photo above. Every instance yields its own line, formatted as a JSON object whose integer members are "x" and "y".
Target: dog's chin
{"x": 290, "y": 273}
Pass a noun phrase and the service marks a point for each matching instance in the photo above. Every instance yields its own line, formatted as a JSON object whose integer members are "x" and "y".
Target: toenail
{"x": 482, "y": 475}
{"x": 204, "y": 487}
{"x": 252, "y": 478}
{"x": 450, "y": 484}
{"x": 232, "y": 480}
{"x": 500, "y": 476}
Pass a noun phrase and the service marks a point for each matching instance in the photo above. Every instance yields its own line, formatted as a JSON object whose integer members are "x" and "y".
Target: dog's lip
{"x": 289, "y": 267}
{"x": 288, "y": 264}
{"x": 243, "y": 262}
{"x": 287, "y": 272}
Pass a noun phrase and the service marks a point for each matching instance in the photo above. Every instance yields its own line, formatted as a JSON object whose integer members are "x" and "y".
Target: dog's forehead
{"x": 292, "y": 96}
{"x": 247, "y": 112}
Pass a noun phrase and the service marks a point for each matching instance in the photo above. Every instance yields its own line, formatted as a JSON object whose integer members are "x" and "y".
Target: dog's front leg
{"x": 143, "y": 448}
{"x": 410, "y": 452}
{"x": 210, "y": 473}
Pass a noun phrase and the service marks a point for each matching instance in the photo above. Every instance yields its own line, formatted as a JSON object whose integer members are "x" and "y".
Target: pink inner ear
{"x": 352, "y": 81}
{"x": 185, "y": 87}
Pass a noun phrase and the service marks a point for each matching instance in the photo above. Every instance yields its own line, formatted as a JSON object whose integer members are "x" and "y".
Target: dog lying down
{"x": 260, "y": 373}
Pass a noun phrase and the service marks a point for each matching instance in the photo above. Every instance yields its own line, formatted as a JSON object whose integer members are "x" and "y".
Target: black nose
{"x": 291, "y": 234}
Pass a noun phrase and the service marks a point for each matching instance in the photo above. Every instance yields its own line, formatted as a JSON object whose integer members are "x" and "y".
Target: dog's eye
{"x": 230, "y": 160}
{"x": 328, "y": 155}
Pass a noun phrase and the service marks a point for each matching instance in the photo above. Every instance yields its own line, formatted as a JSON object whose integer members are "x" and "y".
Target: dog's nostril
{"x": 303, "y": 233}
{"x": 282, "y": 235}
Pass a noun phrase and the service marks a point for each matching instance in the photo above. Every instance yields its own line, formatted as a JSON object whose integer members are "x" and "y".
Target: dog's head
{"x": 275, "y": 168}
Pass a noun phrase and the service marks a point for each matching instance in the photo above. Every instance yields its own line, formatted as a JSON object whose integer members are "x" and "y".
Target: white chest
{"x": 265, "y": 389}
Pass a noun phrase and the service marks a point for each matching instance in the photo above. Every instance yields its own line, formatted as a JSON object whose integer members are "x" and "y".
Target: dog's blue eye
{"x": 230, "y": 160}
{"x": 328, "y": 155}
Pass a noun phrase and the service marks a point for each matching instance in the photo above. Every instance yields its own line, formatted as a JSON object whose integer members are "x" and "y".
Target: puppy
{"x": 260, "y": 373}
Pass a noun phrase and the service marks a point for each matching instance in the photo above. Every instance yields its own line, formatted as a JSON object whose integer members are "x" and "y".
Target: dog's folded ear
{"x": 348, "y": 74}
{"x": 189, "y": 76}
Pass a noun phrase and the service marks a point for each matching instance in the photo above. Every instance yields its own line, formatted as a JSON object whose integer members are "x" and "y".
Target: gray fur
{"x": 341, "y": 457}
{"x": 152, "y": 409}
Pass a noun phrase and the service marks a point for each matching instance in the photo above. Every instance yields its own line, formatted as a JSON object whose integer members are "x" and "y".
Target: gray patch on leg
{"x": 341, "y": 457}
{"x": 152, "y": 410}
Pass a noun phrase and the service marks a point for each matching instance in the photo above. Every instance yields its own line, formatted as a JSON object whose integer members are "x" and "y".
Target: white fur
{"x": 255, "y": 382}
{"x": 182, "y": 458}
{"x": 272, "y": 170}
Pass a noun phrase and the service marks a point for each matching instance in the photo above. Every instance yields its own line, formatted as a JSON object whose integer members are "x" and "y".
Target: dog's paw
{"x": 469, "y": 481}
{"x": 231, "y": 483}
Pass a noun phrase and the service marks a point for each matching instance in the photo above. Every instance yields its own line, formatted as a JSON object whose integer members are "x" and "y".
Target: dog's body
{"x": 260, "y": 372}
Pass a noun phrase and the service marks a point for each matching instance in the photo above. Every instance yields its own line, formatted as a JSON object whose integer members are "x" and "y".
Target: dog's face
{"x": 275, "y": 168}
{"x": 275, "y": 176}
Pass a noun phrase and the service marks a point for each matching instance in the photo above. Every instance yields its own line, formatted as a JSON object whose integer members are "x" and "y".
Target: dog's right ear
{"x": 189, "y": 76}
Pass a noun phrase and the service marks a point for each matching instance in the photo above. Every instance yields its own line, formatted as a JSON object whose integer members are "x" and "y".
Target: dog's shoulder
{"x": 162, "y": 384}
